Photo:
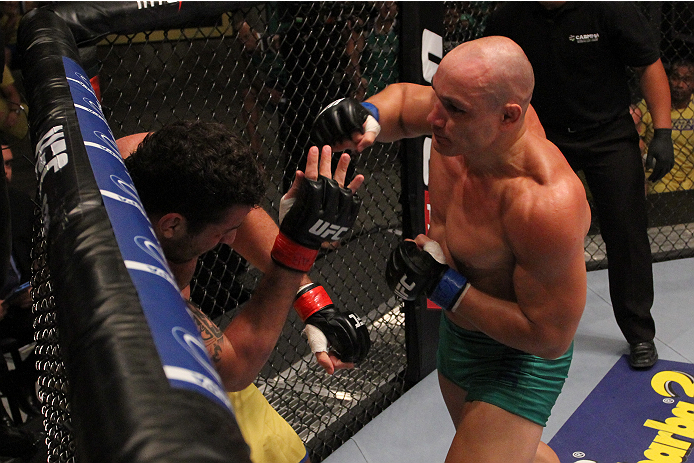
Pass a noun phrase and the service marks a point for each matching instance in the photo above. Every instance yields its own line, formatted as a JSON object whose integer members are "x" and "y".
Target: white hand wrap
{"x": 316, "y": 339}
{"x": 433, "y": 248}
{"x": 372, "y": 125}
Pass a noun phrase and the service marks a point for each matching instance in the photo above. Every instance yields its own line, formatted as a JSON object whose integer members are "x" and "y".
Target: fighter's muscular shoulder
{"x": 547, "y": 210}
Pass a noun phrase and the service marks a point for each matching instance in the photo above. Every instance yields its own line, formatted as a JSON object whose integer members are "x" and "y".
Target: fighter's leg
{"x": 488, "y": 434}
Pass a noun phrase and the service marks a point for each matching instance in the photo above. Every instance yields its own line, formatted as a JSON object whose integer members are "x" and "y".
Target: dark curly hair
{"x": 196, "y": 169}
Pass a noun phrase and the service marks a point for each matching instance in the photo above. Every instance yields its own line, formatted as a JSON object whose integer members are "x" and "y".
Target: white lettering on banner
{"x": 108, "y": 145}
{"x": 123, "y": 199}
{"x": 151, "y": 269}
{"x": 151, "y": 4}
{"x": 153, "y": 249}
{"x": 432, "y": 44}
{"x": 83, "y": 82}
{"x": 193, "y": 345}
{"x": 93, "y": 108}
{"x": 129, "y": 190}
{"x": 193, "y": 377}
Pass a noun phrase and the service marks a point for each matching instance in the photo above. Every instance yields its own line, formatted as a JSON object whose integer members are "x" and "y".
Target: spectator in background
{"x": 14, "y": 442}
{"x": 22, "y": 214}
{"x": 313, "y": 49}
{"x": 452, "y": 34}
{"x": 15, "y": 300}
{"x": 582, "y": 98}
{"x": 267, "y": 78}
{"x": 373, "y": 51}
{"x": 10, "y": 15}
{"x": 681, "y": 177}
{"x": 9, "y": 23}
{"x": 13, "y": 113}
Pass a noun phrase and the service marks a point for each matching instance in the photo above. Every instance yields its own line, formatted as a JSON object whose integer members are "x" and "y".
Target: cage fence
{"x": 267, "y": 69}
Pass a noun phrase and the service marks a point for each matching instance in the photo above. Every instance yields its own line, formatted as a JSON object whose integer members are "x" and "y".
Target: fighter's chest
{"x": 470, "y": 225}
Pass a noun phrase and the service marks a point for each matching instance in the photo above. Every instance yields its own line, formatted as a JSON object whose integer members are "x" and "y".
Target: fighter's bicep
{"x": 549, "y": 277}
{"x": 550, "y": 288}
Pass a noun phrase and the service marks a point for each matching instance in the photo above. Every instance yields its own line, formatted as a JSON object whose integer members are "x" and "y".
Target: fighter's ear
{"x": 512, "y": 113}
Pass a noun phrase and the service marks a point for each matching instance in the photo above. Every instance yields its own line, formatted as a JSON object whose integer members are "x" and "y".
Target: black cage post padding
{"x": 421, "y": 324}
{"x": 123, "y": 407}
{"x": 89, "y": 21}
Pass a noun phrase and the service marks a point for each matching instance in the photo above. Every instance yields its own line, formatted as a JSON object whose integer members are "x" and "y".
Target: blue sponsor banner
{"x": 633, "y": 416}
{"x": 183, "y": 355}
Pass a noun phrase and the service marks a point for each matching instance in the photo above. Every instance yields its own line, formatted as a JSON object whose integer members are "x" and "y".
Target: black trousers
{"x": 610, "y": 158}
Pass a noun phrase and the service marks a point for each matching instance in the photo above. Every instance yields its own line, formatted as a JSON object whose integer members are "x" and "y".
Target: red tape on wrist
{"x": 311, "y": 301}
{"x": 292, "y": 255}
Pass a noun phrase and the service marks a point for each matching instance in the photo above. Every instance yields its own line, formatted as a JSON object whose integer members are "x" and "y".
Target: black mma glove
{"x": 661, "y": 154}
{"x": 343, "y": 331}
{"x": 322, "y": 211}
{"x": 341, "y": 118}
{"x": 412, "y": 272}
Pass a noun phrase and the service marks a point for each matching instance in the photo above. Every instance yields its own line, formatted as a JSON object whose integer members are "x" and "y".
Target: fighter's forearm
{"x": 254, "y": 331}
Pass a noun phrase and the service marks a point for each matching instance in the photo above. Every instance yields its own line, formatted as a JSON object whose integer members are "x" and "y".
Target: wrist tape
{"x": 292, "y": 255}
{"x": 310, "y": 299}
{"x": 450, "y": 290}
{"x": 373, "y": 110}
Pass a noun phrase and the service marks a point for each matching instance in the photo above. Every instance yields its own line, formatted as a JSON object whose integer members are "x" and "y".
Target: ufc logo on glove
{"x": 404, "y": 290}
{"x": 324, "y": 230}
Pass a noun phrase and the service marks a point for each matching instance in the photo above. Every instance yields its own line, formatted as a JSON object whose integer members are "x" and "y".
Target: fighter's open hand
{"x": 317, "y": 208}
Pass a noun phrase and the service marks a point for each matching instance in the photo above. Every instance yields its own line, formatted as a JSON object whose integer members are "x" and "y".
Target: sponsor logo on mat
{"x": 633, "y": 417}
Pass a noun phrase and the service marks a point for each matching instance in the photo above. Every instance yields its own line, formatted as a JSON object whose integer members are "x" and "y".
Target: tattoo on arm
{"x": 210, "y": 333}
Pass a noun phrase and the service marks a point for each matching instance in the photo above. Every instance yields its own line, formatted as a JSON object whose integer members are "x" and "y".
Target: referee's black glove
{"x": 661, "y": 154}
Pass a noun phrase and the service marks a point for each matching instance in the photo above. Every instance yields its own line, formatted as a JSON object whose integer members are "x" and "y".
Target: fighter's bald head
{"x": 496, "y": 64}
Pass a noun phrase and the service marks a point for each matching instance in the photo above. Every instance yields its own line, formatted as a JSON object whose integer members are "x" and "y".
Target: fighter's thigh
{"x": 453, "y": 396}
{"x": 486, "y": 433}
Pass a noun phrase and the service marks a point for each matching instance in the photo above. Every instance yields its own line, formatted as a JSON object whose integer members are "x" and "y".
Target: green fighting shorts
{"x": 490, "y": 372}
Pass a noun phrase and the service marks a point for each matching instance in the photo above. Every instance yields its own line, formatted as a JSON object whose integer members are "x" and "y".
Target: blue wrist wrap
{"x": 449, "y": 290}
{"x": 372, "y": 109}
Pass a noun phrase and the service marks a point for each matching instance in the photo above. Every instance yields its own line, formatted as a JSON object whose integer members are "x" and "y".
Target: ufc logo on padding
{"x": 326, "y": 230}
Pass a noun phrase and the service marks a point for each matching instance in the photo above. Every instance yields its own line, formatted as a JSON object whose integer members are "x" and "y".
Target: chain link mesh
{"x": 52, "y": 382}
{"x": 671, "y": 212}
{"x": 267, "y": 70}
